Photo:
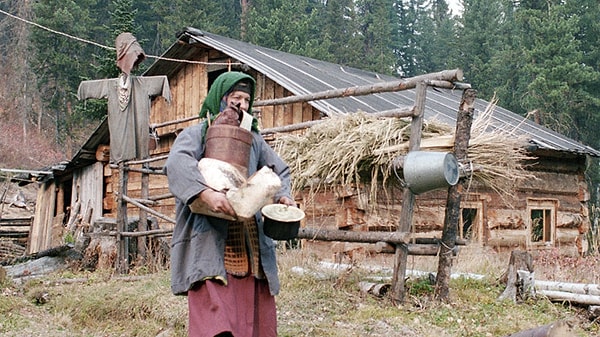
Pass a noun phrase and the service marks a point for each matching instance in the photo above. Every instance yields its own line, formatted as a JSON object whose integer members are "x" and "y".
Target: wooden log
{"x": 152, "y": 232}
{"x": 377, "y": 289}
{"x": 403, "y": 84}
{"x": 349, "y": 236}
{"x": 148, "y": 209}
{"x": 464, "y": 120}
{"x": 397, "y": 113}
{"x": 556, "y": 329}
{"x": 145, "y": 170}
{"x": 563, "y": 296}
{"x": 103, "y": 153}
{"x": 423, "y": 249}
{"x": 38, "y": 267}
{"x": 575, "y": 288}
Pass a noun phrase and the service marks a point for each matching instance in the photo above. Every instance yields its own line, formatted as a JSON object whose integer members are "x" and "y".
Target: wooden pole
{"x": 148, "y": 209}
{"x": 350, "y": 236}
{"x": 122, "y": 264}
{"x": 408, "y": 199}
{"x": 143, "y": 222}
{"x": 462, "y": 134}
{"x": 397, "y": 113}
{"x": 404, "y": 84}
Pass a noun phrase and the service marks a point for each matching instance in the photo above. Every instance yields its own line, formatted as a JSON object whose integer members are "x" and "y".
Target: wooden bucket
{"x": 230, "y": 144}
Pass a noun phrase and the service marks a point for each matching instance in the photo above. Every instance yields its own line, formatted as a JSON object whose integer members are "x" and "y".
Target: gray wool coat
{"x": 198, "y": 243}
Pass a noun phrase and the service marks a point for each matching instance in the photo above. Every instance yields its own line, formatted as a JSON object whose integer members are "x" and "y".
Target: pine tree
{"x": 60, "y": 60}
{"x": 376, "y": 19}
{"x": 289, "y": 26}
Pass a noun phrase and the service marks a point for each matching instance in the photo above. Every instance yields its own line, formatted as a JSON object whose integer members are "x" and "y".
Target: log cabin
{"x": 549, "y": 212}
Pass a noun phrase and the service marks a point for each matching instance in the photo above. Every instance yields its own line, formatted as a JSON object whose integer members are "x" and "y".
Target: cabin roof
{"x": 303, "y": 75}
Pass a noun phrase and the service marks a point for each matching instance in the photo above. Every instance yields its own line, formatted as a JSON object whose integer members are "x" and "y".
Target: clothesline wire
{"x": 107, "y": 47}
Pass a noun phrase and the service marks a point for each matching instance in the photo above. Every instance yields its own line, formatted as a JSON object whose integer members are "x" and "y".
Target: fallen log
{"x": 575, "y": 288}
{"x": 51, "y": 252}
{"x": 563, "y": 296}
{"x": 556, "y": 329}
{"x": 377, "y": 289}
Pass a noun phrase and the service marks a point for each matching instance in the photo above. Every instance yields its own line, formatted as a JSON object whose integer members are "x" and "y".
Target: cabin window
{"x": 542, "y": 214}
{"x": 541, "y": 225}
{"x": 468, "y": 223}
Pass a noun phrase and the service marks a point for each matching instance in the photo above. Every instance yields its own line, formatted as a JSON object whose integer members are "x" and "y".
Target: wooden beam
{"x": 408, "y": 199}
{"x": 464, "y": 120}
{"x": 148, "y": 209}
{"x": 351, "y": 236}
{"x": 397, "y": 113}
{"x": 455, "y": 75}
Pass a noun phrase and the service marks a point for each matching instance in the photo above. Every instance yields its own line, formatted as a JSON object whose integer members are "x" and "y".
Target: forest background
{"x": 539, "y": 58}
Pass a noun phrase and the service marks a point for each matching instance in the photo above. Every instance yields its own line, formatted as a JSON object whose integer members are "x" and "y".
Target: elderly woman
{"x": 227, "y": 269}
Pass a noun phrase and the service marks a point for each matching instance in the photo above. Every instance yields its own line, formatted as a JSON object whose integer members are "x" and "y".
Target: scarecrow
{"x": 129, "y": 101}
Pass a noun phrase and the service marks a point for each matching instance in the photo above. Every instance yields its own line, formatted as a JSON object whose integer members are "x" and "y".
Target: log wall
{"x": 504, "y": 222}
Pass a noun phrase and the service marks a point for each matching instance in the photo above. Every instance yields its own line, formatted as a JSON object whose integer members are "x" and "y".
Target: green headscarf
{"x": 221, "y": 87}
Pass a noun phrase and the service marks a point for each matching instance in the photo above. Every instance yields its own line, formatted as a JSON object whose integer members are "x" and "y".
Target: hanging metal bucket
{"x": 426, "y": 171}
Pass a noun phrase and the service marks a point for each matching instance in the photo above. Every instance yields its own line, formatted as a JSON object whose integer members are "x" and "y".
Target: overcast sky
{"x": 455, "y": 6}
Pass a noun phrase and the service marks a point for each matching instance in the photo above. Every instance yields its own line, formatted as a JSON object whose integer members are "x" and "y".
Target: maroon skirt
{"x": 244, "y": 308}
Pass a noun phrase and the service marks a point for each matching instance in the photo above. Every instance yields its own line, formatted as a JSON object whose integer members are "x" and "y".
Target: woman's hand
{"x": 286, "y": 201}
{"x": 217, "y": 202}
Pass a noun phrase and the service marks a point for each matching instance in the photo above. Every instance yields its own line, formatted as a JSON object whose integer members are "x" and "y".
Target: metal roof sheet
{"x": 303, "y": 75}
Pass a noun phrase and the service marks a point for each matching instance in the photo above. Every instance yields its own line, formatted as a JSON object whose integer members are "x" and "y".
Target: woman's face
{"x": 239, "y": 97}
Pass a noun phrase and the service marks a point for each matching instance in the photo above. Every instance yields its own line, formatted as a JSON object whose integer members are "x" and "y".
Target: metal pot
{"x": 281, "y": 222}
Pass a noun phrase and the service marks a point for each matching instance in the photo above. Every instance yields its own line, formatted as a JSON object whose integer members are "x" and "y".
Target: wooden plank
{"x": 267, "y": 112}
{"x": 171, "y": 111}
{"x": 89, "y": 182}
{"x": 41, "y": 228}
{"x": 181, "y": 94}
{"x": 296, "y": 114}
{"x": 198, "y": 89}
{"x": 307, "y": 112}
{"x": 279, "y": 110}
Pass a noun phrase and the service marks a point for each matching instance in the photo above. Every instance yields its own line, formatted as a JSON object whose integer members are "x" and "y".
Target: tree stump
{"x": 556, "y": 329}
{"x": 519, "y": 277}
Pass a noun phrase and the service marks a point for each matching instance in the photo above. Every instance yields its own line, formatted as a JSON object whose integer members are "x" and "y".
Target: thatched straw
{"x": 359, "y": 149}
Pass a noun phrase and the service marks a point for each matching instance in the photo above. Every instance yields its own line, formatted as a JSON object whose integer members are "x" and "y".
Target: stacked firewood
{"x": 10, "y": 250}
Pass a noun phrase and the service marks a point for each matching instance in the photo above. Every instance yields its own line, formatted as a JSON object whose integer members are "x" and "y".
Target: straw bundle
{"x": 356, "y": 149}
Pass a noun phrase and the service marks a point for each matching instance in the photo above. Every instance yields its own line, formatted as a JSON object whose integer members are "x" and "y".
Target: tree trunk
{"x": 518, "y": 277}
{"x": 461, "y": 144}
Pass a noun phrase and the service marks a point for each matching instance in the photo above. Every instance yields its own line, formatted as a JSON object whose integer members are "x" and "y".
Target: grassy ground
{"x": 314, "y": 301}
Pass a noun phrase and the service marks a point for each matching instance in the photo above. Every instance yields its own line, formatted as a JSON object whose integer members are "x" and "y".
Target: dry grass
{"x": 357, "y": 149}
{"x": 318, "y": 302}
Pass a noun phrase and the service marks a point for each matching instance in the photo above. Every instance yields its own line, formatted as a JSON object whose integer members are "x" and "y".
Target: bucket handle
{"x": 401, "y": 180}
